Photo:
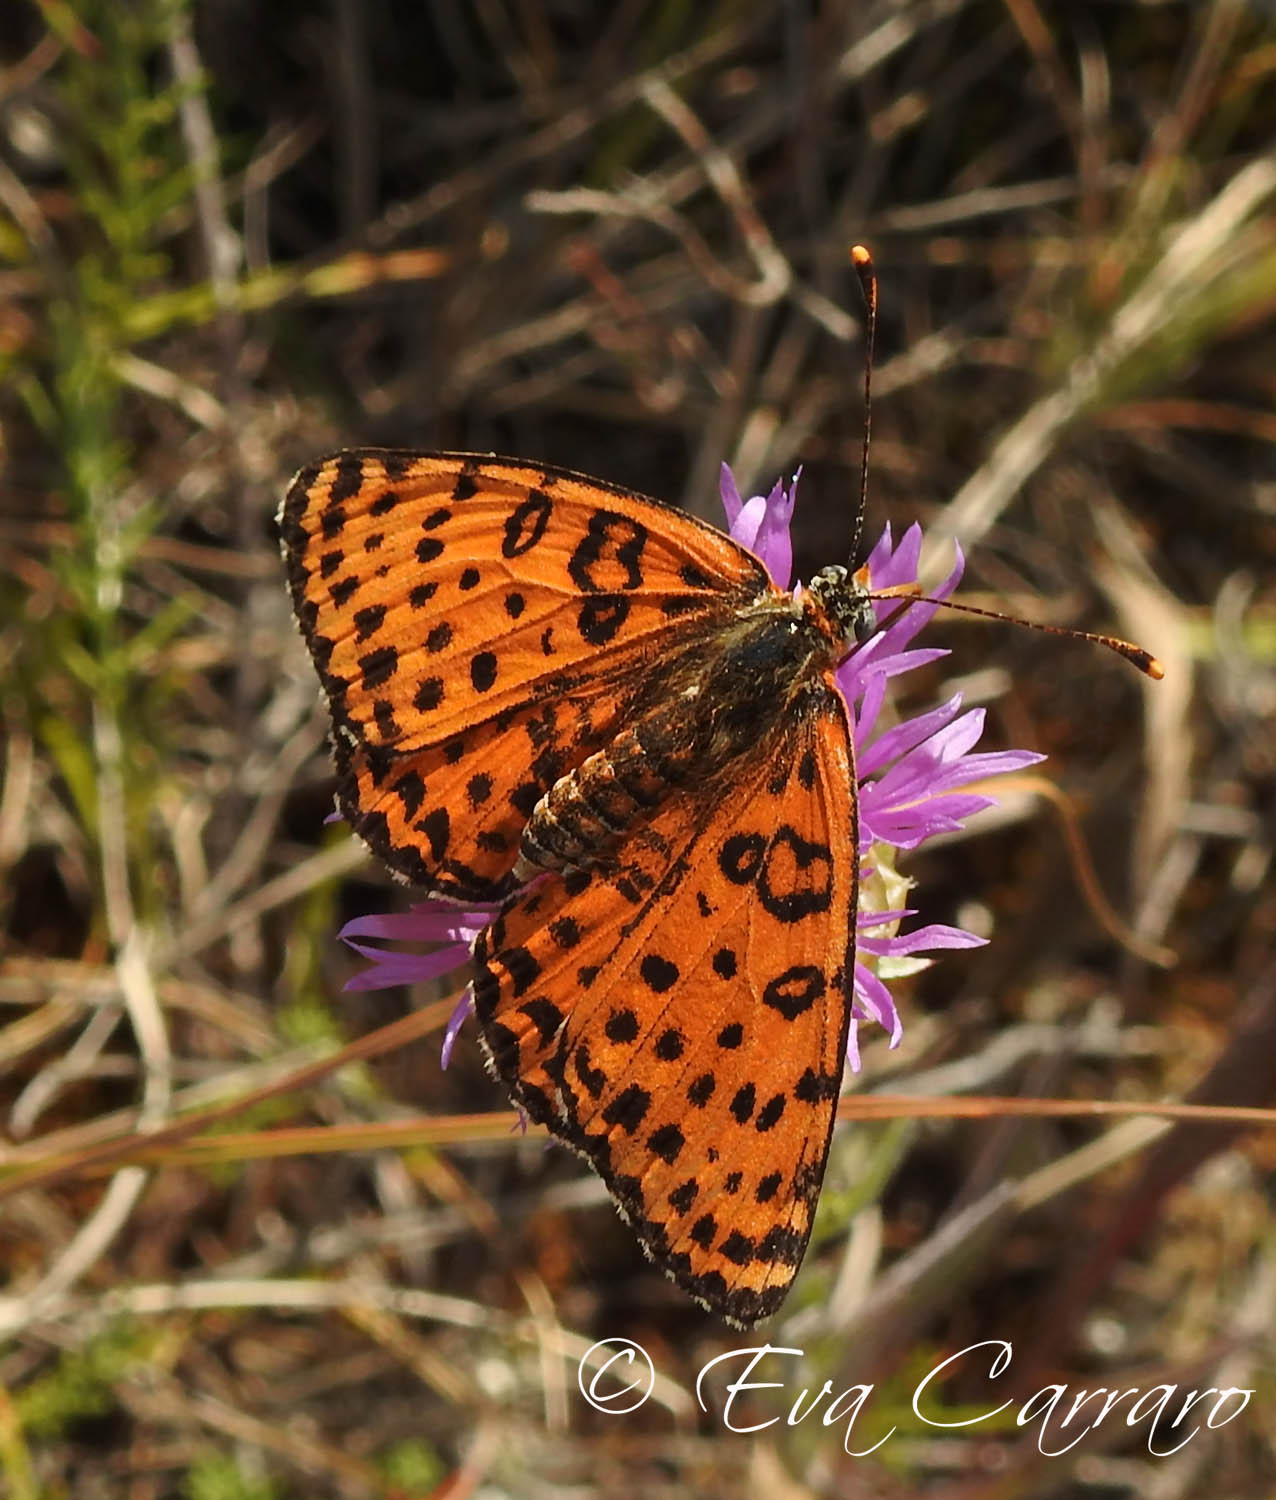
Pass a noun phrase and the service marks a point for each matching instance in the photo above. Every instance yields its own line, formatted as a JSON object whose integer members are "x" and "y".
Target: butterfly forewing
{"x": 682, "y": 1020}
{"x": 479, "y": 626}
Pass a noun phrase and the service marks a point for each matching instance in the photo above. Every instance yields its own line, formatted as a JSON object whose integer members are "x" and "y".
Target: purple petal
{"x": 908, "y": 735}
{"x": 390, "y": 967}
{"x": 731, "y": 501}
{"x": 761, "y": 524}
{"x": 774, "y": 543}
{"x": 853, "y": 1045}
{"x": 906, "y": 828}
{"x": 961, "y": 735}
{"x": 915, "y": 617}
{"x": 748, "y": 525}
{"x": 901, "y": 566}
{"x": 874, "y": 1002}
{"x": 871, "y": 660}
{"x": 879, "y": 558}
{"x": 464, "y": 1009}
{"x": 902, "y": 661}
{"x": 999, "y": 762}
{"x": 874, "y": 695}
{"x": 865, "y": 921}
{"x": 427, "y": 922}
{"x": 936, "y": 935}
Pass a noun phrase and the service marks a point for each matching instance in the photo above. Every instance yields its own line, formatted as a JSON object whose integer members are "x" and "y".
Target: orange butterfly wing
{"x": 682, "y": 1021}
{"x": 479, "y": 625}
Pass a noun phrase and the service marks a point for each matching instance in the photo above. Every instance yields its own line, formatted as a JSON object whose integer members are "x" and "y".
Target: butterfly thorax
{"x": 713, "y": 708}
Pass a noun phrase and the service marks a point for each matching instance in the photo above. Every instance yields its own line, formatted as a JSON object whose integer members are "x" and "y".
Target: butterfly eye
{"x": 864, "y": 624}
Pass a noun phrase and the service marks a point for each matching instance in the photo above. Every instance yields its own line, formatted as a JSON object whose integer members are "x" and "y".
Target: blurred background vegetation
{"x": 613, "y": 237}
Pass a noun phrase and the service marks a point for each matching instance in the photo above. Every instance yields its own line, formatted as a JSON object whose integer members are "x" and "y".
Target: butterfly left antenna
{"x": 862, "y": 261}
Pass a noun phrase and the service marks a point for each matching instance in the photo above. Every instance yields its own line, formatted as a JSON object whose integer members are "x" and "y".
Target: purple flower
{"x": 452, "y": 928}
{"x": 911, "y": 777}
{"x": 761, "y": 523}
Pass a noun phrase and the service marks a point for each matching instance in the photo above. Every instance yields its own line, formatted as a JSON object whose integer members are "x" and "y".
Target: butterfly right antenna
{"x": 862, "y": 261}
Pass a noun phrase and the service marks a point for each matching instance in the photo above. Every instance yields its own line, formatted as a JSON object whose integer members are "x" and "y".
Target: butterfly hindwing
{"x": 682, "y": 1020}
{"x": 448, "y": 817}
{"x": 480, "y": 620}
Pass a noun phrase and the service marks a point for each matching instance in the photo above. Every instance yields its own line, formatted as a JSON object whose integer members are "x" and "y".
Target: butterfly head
{"x": 847, "y": 601}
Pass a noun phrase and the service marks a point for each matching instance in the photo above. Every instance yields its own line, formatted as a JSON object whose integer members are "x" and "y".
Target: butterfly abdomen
{"x": 586, "y": 812}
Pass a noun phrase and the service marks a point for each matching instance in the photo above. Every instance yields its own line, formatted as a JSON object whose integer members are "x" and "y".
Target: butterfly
{"x": 561, "y": 695}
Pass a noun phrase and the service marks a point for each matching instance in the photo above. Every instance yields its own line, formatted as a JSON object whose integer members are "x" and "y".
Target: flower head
{"x": 912, "y": 783}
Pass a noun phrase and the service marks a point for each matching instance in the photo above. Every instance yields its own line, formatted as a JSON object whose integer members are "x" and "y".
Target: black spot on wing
{"x": 525, "y": 525}
{"x": 658, "y": 974}
{"x": 545, "y": 1016}
{"x": 701, "y": 1090}
{"x": 684, "y": 1195}
{"x": 621, "y": 1026}
{"x": 483, "y": 668}
{"x": 437, "y": 827}
{"x": 466, "y": 486}
{"x": 795, "y": 991}
{"x": 628, "y": 1109}
{"x": 348, "y": 480}
{"x": 429, "y": 694}
{"x": 667, "y": 1143}
{"x": 377, "y": 667}
{"x": 670, "y": 1045}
